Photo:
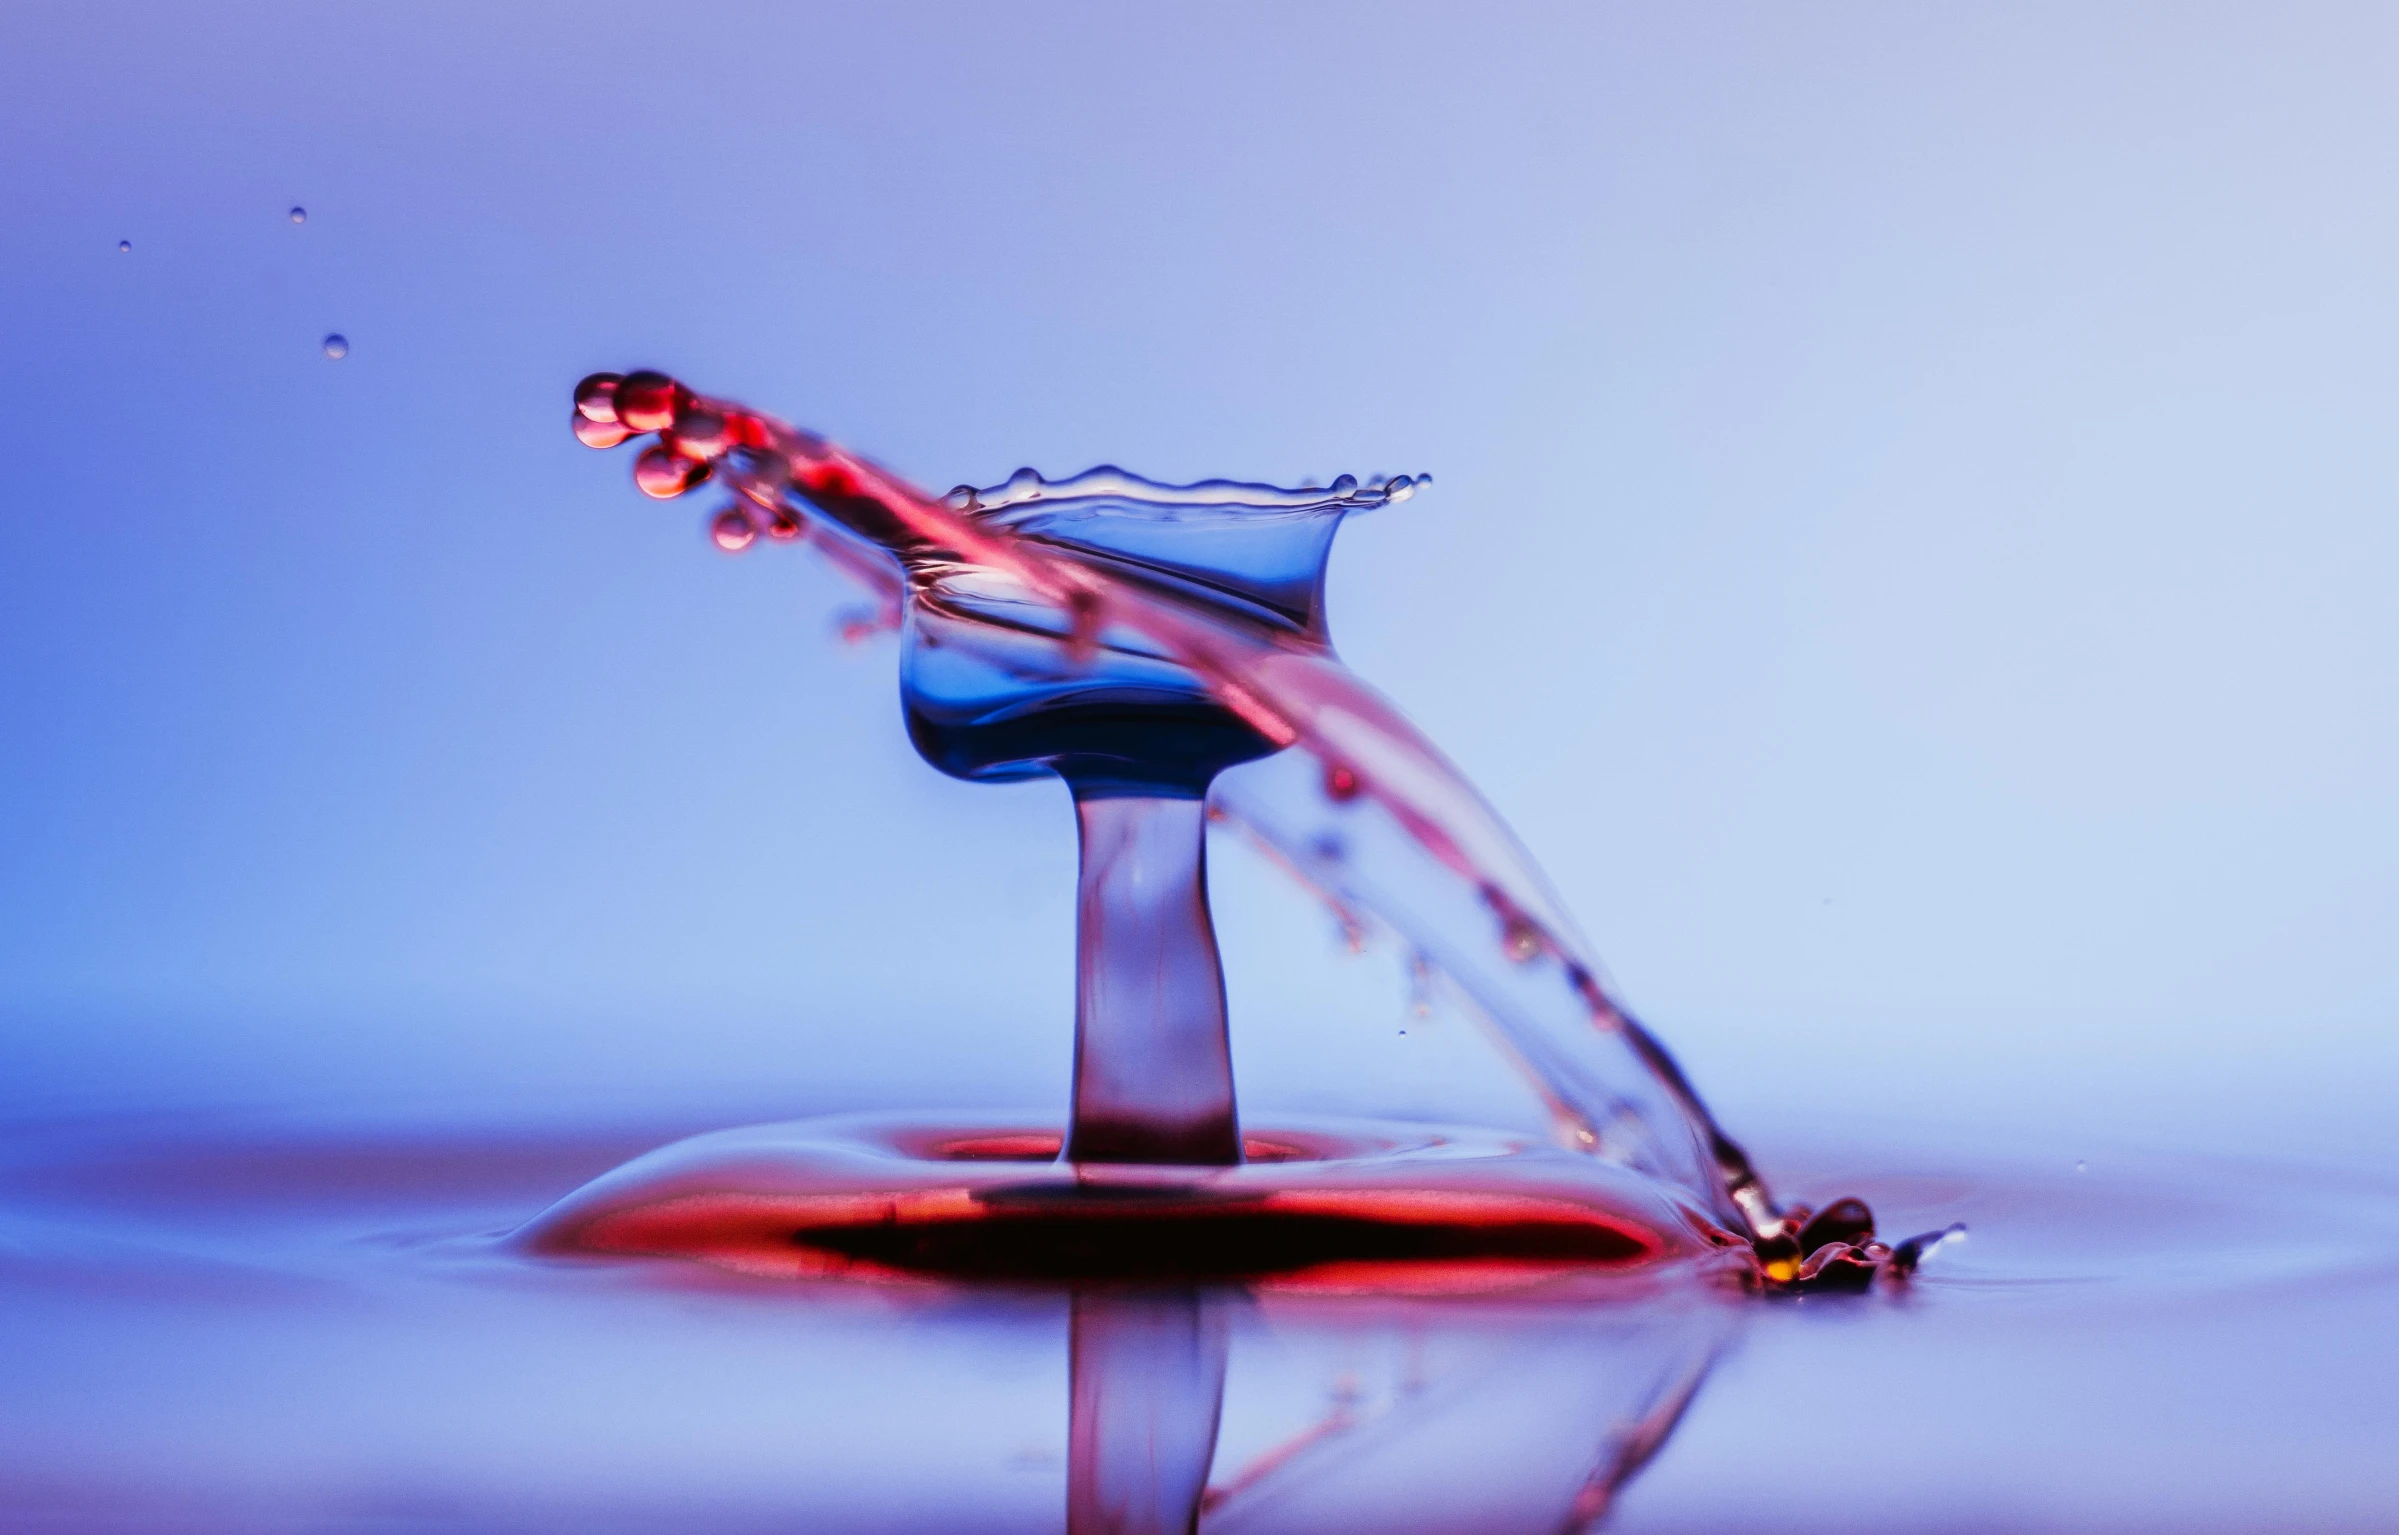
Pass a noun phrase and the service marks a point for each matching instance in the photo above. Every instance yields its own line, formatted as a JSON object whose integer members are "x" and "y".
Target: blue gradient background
{"x": 1912, "y": 551}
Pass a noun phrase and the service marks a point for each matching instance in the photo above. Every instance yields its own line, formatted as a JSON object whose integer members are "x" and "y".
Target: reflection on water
{"x": 220, "y": 1327}
{"x": 271, "y": 1334}
{"x": 1419, "y": 1417}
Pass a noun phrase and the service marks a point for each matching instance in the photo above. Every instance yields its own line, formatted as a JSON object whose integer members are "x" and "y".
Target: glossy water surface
{"x": 266, "y": 1324}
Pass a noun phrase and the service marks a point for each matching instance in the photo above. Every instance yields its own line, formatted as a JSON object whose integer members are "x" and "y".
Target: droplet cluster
{"x": 692, "y": 434}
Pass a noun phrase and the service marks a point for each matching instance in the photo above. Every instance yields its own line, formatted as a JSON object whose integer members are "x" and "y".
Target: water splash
{"x": 1059, "y": 625}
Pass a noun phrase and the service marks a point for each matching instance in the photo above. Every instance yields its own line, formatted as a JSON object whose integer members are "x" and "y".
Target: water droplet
{"x": 666, "y": 474}
{"x": 595, "y": 397}
{"x": 2082, "y": 1167}
{"x": 124, "y": 247}
{"x": 337, "y": 346}
{"x": 1520, "y": 939}
{"x": 599, "y": 434}
{"x": 299, "y": 214}
{"x": 1343, "y": 485}
{"x": 733, "y": 530}
{"x": 748, "y": 431}
{"x": 647, "y": 401}
{"x": 783, "y": 527}
{"x": 1340, "y": 783}
{"x": 699, "y": 433}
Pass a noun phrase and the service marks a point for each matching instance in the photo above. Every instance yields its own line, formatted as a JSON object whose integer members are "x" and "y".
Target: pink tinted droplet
{"x": 783, "y": 527}
{"x": 699, "y": 433}
{"x": 599, "y": 434}
{"x": 733, "y": 531}
{"x": 647, "y": 402}
{"x": 666, "y": 474}
{"x": 595, "y": 397}
{"x": 1340, "y": 783}
{"x": 1520, "y": 939}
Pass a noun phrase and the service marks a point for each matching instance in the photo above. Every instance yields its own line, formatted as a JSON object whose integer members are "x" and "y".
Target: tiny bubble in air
{"x": 299, "y": 214}
{"x": 2082, "y": 1167}
{"x": 337, "y": 346}
{"x": 124, "y": 247}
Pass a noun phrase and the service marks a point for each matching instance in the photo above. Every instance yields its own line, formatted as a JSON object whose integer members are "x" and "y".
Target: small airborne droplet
{"x": 124, "y": 247}
{"x": 666, "y": 474}
{"x": 1340, "y": 783}
{"x": 699, "y": 433}
{"x": 647, "y": 401}
{"x": 784, "y": 527}
{"x": 595, "y": 397}
{"x": 337, "y": 346}
{"x": 599, "y": 434}
{"x": 1521, "y": 940}
{"x": 299, "y": 214}
{"x": 733, "y": 530}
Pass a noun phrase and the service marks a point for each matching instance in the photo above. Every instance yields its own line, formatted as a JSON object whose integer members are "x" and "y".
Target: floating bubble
{"x": 299, "y": 214}
{"x": 124, "y": 247}
{"x": 599, "y": 434}
{"x": 337, "y": 346}
{"x": 647, "y": 401}
{"x": 666, "y": 474}
{"x": 595, "y": 397}
{"x": 733, "y": 530}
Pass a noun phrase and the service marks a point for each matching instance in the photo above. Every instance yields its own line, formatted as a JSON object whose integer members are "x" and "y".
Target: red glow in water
{"x": 1386, "y": 1209}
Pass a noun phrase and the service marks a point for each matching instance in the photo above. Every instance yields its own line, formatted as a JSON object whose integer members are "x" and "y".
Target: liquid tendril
{"x": 1137, "y": 638}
